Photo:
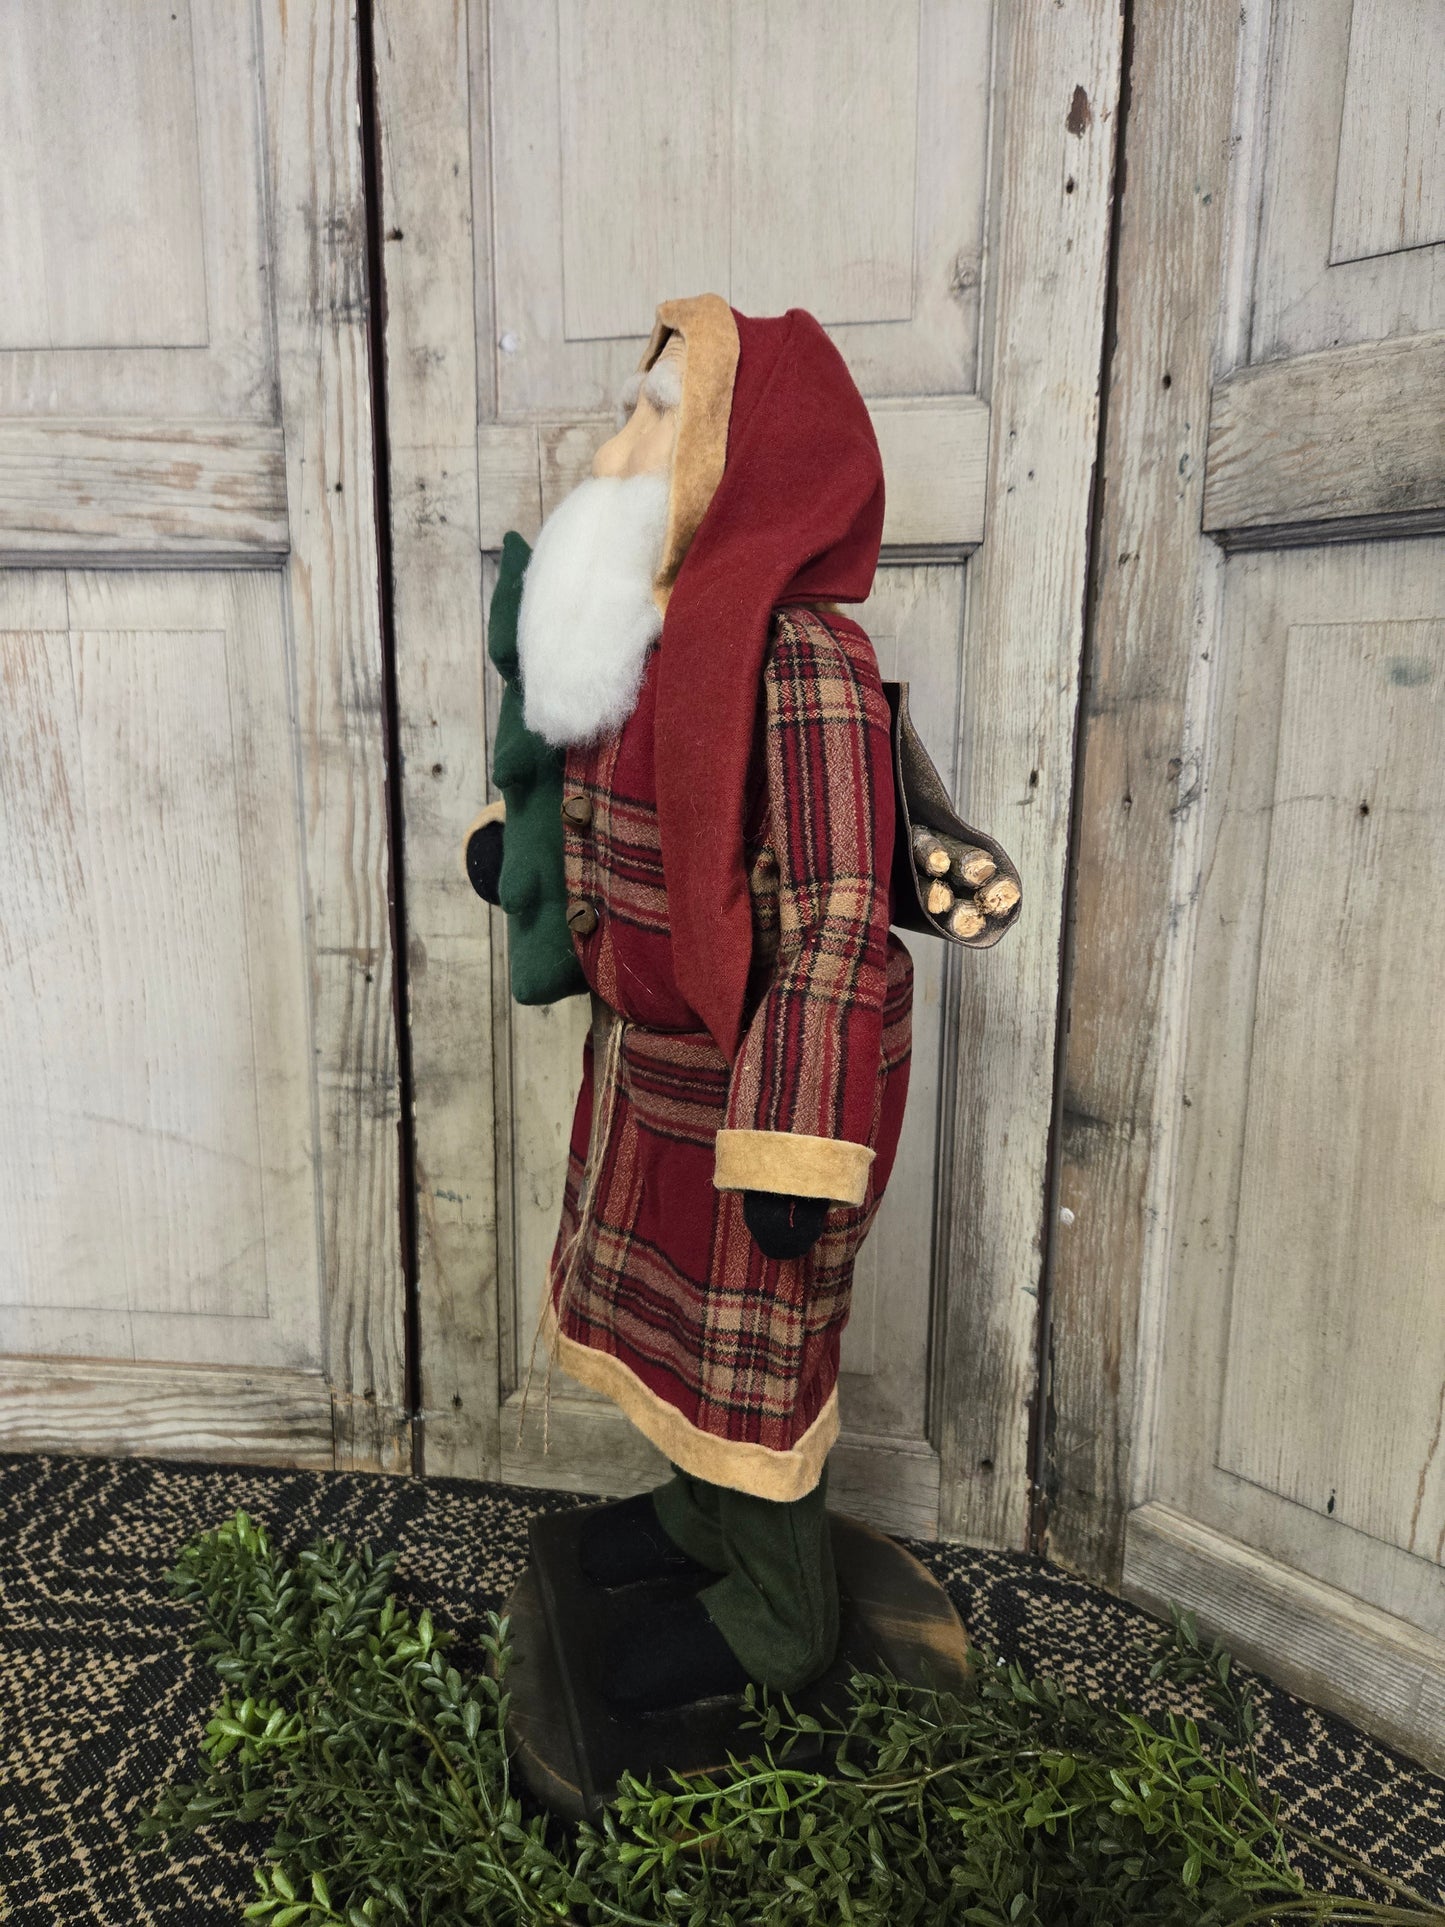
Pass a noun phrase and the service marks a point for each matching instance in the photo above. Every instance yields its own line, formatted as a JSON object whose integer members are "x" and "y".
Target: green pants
{"x": 776, "y": 1603}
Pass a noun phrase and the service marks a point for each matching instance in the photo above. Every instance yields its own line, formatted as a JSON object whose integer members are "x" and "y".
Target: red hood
{"x": 796, "y": 516}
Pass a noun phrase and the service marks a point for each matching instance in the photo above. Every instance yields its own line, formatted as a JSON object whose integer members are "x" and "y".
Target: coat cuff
{"x": 493, "y": 813}
{"x": 786, "y": 1161}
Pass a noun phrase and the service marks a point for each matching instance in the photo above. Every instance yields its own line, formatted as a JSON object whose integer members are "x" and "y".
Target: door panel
{"x": 1305, "y": 1299}
{"x": 865, "y": 224}
{"x": 1390, "y": 172}
{"x": 1309, "y": 1235}
{"x": 1347, "y": 1056}
{"x": 849, "y": 231}
{"x": 549, "y": 173}
{"x": 635, "y": 151}
{"x": 134, "y": 211}
{"x": 198, "y": 1180}
{"x": 1252, "y": 1102}
{"x": 117, "y": 233}
{"x": 847, "y": 242}
{"x": 1348, "y": 178}
{"x": 139, "y": 398}
{"x": 177, "y": 942}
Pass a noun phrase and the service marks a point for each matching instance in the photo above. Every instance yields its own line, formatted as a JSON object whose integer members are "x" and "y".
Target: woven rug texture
{"x": 102, "y": 1701}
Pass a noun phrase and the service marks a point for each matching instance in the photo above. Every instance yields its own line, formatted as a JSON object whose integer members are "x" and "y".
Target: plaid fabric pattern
{"x": 809, "y": 1058}
{"x": 664, "y": 1275}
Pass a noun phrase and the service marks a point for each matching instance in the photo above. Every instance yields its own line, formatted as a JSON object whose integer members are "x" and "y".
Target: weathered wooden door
{"x": 1253, "y": 1188}
{"x": 932, "y": 178}
{"x": 199, "y": 1249}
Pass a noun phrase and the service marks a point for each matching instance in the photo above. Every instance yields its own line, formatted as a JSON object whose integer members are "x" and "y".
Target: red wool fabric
{"x": 659, "y": 1296}
{"x": 797, "y": 517}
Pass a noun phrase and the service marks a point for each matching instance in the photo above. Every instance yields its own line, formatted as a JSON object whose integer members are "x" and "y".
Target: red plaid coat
{"x": 728, "y": 1360}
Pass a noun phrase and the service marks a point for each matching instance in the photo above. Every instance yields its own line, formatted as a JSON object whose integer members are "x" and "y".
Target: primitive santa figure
{"x": 706, "y": 738}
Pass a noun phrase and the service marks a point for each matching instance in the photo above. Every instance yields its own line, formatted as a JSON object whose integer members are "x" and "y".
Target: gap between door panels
{"x": 1041, "y": 1414}
{"x": 370, "y": 135}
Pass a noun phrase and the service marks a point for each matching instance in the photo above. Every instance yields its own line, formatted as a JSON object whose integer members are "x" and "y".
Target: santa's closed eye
{"x": 661, "y": 385}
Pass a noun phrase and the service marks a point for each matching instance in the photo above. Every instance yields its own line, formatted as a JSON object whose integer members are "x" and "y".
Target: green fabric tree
{"x": 531, "y": 890}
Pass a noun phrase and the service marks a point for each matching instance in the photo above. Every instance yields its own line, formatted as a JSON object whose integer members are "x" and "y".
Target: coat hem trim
{"x": 740, "y": 1464}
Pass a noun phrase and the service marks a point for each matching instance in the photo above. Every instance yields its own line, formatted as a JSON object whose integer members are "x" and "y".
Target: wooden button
{"x": 581, "y": 917}
{"x": 577, "y": 810}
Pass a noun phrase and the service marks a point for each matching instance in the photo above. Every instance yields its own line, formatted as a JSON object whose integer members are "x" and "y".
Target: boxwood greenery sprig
{"x": 382, "y": 1773}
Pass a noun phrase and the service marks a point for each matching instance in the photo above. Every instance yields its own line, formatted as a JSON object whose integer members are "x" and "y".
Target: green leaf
{"x": 341, "y": 1723}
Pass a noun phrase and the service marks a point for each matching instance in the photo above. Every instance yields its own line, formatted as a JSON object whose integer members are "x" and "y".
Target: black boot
{"x": 669, "y": 1654}
{"x": 624, "y": 1544}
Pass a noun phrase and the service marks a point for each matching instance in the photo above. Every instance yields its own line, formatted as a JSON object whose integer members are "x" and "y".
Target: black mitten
{"x": 484, "y": 860}
{"x": 784, "y": 1226}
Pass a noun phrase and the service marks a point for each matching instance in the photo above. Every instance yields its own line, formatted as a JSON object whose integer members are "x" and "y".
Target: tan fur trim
{"x": 493, "y": 813}
{"x": 807, "y": 1167}
{"x": 706, "y": 324}
{"x": 736, "y": 1463}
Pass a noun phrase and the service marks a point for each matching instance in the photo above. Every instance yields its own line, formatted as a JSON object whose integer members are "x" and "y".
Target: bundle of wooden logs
{"x": 961, "y": 885}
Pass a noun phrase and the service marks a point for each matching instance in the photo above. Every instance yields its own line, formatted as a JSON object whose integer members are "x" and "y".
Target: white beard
{"x": 588, "y": 617}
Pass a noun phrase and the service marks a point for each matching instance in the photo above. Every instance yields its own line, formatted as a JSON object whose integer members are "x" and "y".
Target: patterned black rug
{"x": 101, "y": 1701}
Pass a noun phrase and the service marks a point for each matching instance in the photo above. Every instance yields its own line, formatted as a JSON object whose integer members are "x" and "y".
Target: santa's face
{"x": 590, "y": 611}
{"x": 645, "y": 442}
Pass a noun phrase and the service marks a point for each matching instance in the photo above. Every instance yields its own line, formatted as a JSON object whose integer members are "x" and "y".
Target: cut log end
{"x": 996, "y": 899}
{"x": 967, "y": 920}
{"x": 972, "y": 867}
{"x": 930, "y": 856}
{"x": 938, "y": 898}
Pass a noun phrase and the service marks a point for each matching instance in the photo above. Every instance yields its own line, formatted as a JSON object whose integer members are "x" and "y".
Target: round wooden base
{"x": 568, "y": 1750}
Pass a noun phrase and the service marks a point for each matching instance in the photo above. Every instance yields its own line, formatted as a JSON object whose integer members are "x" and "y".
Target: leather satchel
{"x": 922, "y": 803}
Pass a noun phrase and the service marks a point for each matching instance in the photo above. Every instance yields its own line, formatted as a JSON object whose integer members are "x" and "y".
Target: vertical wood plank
{"x": 321, "y": 305}
{"x": 263, "y": 730}
{"x": 1152, "y": 614}
{"x": 423, "y": 92}
{"x": 1057, "y": 81}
